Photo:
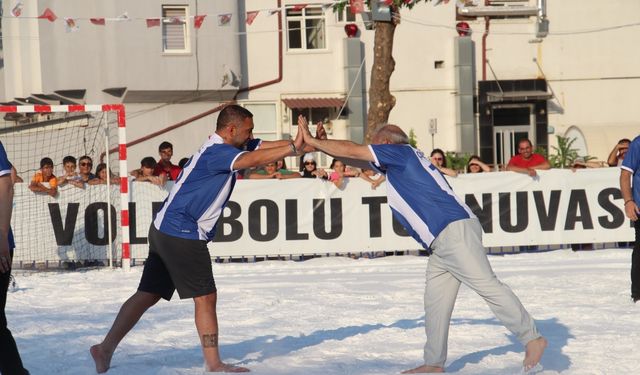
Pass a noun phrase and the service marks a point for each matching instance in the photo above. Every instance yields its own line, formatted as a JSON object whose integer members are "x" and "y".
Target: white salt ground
{"x": 337, "y": 316}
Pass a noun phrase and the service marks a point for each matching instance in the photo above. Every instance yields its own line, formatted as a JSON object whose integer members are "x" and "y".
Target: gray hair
{"x": 393, "y": 134}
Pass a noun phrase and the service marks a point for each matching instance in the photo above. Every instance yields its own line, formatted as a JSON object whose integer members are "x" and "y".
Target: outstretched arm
{"x": 338, "y": 148}
{"x": 276, "y": 151}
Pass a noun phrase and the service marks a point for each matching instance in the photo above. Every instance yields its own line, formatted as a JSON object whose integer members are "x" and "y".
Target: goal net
{"x": 69, "y": 219}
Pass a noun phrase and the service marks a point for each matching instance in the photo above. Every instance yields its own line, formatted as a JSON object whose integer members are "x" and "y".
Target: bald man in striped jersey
{"x": 422, "y": 200}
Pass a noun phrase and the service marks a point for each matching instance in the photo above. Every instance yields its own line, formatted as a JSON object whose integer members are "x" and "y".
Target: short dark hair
{"x": 148, "y": 162}
{"x": 183, "y": 162}
{"x": 85, "y": 157}
{"x": 46, "y": 162}
{"x": 165, "y": 145}
{"x": 68, "y": 159}
{"x": 232, "y": 114}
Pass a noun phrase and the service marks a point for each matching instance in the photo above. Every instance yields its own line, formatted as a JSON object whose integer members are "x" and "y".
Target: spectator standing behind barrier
{"x": 85, "y": 164}
{"x": 310, "y": 168}
{"x": 10, "y": 362}
{"x": 178, "y": 256}
{"x": 424, "y": 203}
{"x": 145, "y": 172}
{"x": 70, "y": 175}
{"x": 629, "y": 169}
{"x": 45, "y": 175}
{"x": 340, "y": 173}
{"x": 527, "y": 161}
{"x": 616, "y": 156}
{"x": 165, "y": 166}
{"x": 439, "y": 160}
{"x": 475, "y": 165}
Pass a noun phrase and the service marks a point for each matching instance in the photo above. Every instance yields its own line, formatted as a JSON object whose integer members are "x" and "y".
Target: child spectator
{"x": 45, "y": 175}
{"x": 86, "y": 164}
{"x": 375, "y": 179}
{"x": 70, "y": 175}
{"x": 145, "y": 173}
{"x": 339, "y": 173}
{"x": 276, "y": 169}
{"x": 101, "y": 176}
{"x": 475, "y": 165}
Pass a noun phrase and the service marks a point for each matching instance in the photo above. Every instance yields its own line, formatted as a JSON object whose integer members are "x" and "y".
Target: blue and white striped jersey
{"x": 418, "y": 194}
{"x": 5, "y": 170}
{"x": 201, "y": 191}
{"x": 631, "y": 163}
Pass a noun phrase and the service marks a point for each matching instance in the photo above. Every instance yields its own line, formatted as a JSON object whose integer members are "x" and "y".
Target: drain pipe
{"x": 220, "y": 107}
{"x": 487, "y": 21}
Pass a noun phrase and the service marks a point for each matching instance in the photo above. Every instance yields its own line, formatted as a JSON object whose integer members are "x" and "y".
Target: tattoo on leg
{"x": 210, "y": 341}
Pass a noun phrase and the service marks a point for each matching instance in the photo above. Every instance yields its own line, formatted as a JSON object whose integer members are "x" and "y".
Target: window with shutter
{"x": 175, "y": 30}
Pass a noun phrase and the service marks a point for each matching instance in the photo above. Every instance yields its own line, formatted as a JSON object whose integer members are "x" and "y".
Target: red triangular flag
{"x": 252, "y": 16}
{"x": 48, "y": 15}
{"x": 97, "y": 21}
{"x": 151, "y": 22}
{"x": 357, "y": 6}
{"x": 388, "y": 2}
{"x": 198, "y": 20}
{"x": 299, "y": 7}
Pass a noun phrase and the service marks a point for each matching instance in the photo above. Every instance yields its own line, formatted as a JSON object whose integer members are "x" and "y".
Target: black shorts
{"x": 177, "y": 264}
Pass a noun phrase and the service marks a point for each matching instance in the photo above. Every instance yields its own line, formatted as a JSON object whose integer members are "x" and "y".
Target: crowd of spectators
{"x": 78, "y": 173}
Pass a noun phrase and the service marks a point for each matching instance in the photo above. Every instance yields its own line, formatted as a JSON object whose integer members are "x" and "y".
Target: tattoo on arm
{"x": 210, "y": 340}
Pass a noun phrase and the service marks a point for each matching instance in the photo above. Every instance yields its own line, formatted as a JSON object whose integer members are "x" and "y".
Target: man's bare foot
{"x": 224, "y": 367}
{"x": 101, "y": 358}
{"x": 423, "y": 369}
{"x": 534, "y": 350}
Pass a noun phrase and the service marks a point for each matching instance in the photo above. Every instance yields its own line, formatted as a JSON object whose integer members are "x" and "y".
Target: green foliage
{"x": 413, "y": 139}
{"x": 457, "y": 161}
{"x": 564, "y": 155}
{"x": 339, "y": 6}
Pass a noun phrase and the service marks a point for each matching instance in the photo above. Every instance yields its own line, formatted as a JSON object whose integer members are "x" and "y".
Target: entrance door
{"x": 511, "y": 123}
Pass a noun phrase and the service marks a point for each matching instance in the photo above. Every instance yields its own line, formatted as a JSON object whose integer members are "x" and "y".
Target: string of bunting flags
{"x": 224, "y": 19}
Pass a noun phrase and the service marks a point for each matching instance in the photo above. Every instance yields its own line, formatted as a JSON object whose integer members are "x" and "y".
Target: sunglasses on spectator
{"x": 86, "y": 164}
{"x": 440, "y": 159}
{"x": 309, "y": 162}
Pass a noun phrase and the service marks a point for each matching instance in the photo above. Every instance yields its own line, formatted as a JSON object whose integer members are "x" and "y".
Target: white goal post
{"x": 86, "y": 224}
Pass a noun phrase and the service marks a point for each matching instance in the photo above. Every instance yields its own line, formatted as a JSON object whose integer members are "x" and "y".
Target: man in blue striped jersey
{"x": 422, "y": 200}
{"x": 178, "y": 255}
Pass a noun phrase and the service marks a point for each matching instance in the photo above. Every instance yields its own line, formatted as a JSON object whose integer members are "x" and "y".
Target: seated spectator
{"x": 281, "y": 166}
{"x": 85, "y": 164}
{"x": 310, "y": 168}
{"x": 15, "y": 179}
{"x": 101, "y": 176}
{"x": 527, "y": 161}
{"x": 164, "y": 165}
{"x": 145, "y": 172}
{"x": 375, "y": 179}
{"x": 616, "y": 156}
{"x": 45, "y": 175}
{"x": 70, "y": 176}
{"x": 439, "y": 160}
{"x": 475, "y": 165}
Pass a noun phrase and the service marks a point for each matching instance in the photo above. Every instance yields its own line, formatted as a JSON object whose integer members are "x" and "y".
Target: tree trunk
{"x": 381, "y": 102}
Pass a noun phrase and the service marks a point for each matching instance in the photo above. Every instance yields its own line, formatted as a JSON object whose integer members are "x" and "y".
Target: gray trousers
{"x": 459, "y": 257}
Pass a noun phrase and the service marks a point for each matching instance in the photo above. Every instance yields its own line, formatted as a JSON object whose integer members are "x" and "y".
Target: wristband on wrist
{"x": 627, "y": 201}
{"x": 293, "y": 148}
